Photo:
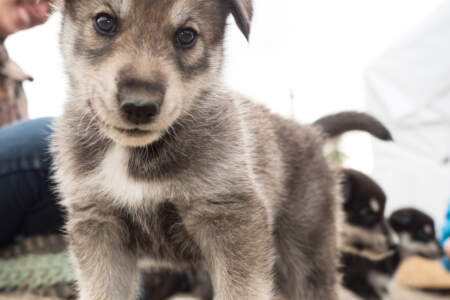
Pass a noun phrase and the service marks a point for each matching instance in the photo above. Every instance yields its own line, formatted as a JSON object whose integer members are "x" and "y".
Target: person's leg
{"x": 28, "y": 204}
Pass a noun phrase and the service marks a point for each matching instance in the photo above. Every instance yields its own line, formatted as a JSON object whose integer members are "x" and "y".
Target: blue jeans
{"x": 28, "y": 203}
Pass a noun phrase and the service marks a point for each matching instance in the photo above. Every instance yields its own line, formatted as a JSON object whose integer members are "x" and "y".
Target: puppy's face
{"x": 416, "y": 233}
{"x": 365, "y": 231}
{"x": 138, "y": 65}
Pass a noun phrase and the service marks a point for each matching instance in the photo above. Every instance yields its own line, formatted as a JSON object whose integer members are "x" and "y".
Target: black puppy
{"x": 416, "y": 232}
{"x": 369, "y": 256}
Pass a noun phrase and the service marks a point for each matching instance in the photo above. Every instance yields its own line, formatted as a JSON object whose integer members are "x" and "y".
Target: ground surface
{"x": 400, "y": 293}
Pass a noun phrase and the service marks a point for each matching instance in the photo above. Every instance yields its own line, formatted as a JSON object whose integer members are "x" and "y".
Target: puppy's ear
{"x": 400, "y": 220}
{"x": 242, "y": 11}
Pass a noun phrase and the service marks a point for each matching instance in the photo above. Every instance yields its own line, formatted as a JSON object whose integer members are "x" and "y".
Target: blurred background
{"x": 307, "y": 59}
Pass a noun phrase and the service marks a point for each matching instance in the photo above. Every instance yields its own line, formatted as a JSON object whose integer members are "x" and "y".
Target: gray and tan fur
{"x": 196, "y": 283}
{"x": 213, "y": 181}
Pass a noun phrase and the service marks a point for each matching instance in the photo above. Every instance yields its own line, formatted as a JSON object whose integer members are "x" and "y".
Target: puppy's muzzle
{"x": 140, "y": 101}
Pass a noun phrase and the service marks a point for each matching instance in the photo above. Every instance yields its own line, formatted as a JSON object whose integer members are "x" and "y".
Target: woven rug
{"x": 39, "y": 268}
{"x": 36, "y": 268}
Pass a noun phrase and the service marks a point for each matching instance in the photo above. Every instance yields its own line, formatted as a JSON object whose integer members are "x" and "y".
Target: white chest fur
{"x": 112, "y": 180}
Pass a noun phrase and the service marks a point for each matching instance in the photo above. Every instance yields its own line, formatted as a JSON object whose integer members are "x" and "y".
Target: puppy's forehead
{"x": 122, "y": 7}
{"x": 198, "y": 9}
{"x": 176, "y": 10}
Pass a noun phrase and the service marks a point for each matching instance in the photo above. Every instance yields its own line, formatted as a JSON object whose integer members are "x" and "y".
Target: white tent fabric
{"x": 408, "y": 88}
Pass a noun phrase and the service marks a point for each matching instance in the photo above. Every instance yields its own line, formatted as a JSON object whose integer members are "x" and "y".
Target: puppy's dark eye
{"x": 423, "y": 236}
{"x": 359, "y": 246}
{"x": 185, "y": 38}
{"x": 105, "y": 24}
{"x": 365, "y": 212}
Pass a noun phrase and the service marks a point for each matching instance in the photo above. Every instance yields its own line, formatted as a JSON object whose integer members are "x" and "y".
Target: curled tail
{"x": 337, "y": 124}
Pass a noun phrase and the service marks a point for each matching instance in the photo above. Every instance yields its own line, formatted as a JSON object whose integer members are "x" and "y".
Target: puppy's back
{"x": 305, "y": 209}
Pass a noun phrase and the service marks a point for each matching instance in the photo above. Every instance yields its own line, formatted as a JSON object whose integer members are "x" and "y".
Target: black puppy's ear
{"x": 400, "y": 220}
{"x": 346, "y": 187}
{"x": 242, "y": 11}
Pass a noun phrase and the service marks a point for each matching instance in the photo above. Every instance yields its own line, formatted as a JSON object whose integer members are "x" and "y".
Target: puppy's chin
{"x": 129, "y": 138}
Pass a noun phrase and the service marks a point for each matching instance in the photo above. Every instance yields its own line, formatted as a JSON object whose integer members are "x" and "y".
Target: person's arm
{"x": 447, "y": 247}
{"x": 446, "y": 240}
{"x": 16, "y": 15}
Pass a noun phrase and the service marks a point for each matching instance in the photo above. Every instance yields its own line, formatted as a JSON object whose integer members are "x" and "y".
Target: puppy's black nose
{"x": 139, "y": 112}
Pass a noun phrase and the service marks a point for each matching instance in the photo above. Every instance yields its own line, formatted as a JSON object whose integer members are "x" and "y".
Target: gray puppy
{"x": 155, "y": 157}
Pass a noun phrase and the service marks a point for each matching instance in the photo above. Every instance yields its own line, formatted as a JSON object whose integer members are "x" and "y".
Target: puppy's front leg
{"x": 236, "y": 242}
{"x": 106, "y": 265}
